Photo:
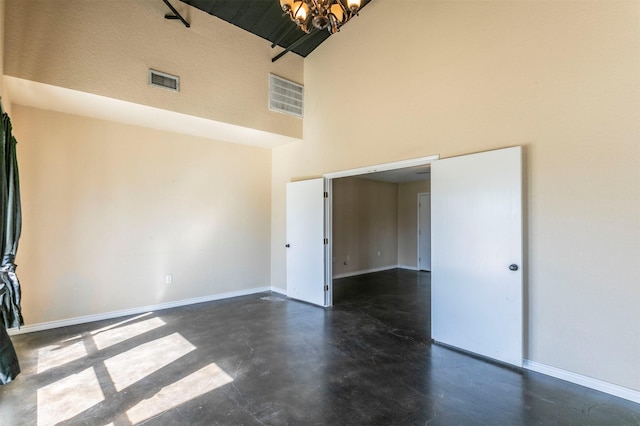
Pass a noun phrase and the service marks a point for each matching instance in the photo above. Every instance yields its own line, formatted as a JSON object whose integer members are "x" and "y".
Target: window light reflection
{"x": 135, "y": 364}
{"x": 118, "y": 324}
{"x": 194, "y": 385}
{"x": 107, "y": 338}
{"x": 68, "y": 397}
{"x": 56, "y": 355}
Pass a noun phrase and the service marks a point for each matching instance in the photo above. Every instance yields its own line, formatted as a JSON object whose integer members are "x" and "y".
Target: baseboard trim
{"x": 589, "y": 382}
{"x": 133, "y": 311}
{"x": 365, "y": 271}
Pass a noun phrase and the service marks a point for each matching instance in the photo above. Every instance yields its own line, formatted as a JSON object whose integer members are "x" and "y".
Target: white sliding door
{"x": 476, "y": 262}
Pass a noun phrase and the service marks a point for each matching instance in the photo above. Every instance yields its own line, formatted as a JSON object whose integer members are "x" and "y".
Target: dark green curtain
{"x": 10, "y": 226}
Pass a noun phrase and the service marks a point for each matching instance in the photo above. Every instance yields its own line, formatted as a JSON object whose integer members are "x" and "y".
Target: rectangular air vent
{"x": 286, "y": 96}
{"x": 164, "y": 80}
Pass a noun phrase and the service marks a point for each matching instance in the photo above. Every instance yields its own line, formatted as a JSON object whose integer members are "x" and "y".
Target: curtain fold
{"x": 10, "y": 228}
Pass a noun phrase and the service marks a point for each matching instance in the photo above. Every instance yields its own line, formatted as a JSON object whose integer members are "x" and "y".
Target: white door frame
{"x": 328, "y": 209}
{"x": 420, "y": 229}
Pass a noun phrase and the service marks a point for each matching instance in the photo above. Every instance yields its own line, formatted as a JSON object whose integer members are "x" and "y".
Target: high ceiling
{"x": 266, "y": 19}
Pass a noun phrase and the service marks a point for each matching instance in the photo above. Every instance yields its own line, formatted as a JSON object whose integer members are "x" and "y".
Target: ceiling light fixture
{"x": 320, "y": 14}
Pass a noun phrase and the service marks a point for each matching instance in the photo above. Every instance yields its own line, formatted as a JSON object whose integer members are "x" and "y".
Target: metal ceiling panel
{"x": 265, "y": 19}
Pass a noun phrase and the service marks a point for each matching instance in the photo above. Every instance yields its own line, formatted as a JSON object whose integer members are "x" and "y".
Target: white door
{"x": 305, "y": 241}
{"x": 424, "y": 232}
{"x": 476, "y": 242}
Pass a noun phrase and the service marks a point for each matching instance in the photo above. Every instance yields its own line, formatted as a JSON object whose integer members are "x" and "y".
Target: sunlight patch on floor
{"x": 68, "y": 397}
{"x": 118, "y": 324}
{"x": 106, "y": 338}
{"x": 135, "y": 364}
{"x": 56, "y": 355}
{"x": 194, "y": 385}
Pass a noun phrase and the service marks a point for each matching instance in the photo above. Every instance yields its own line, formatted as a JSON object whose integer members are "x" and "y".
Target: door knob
{"x": 288, "y": 245}
{"x": 513, "y": 267}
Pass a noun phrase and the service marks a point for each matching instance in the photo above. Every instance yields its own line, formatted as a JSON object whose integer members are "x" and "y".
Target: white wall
{"x": 560, "y": 78}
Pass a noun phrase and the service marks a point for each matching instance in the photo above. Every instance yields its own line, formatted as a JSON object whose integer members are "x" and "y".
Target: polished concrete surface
{"x": 262, "y": 359}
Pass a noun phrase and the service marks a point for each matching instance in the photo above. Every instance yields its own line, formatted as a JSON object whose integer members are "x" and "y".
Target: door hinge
{"x": 326, "y": 241}
{"x": 326, "y": 287}
{"x": 326, "y": 194}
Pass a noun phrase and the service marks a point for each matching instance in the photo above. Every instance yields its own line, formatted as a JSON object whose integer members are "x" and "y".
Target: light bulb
{"x": 301, "y": 11}
{"x": 353, "y": 5}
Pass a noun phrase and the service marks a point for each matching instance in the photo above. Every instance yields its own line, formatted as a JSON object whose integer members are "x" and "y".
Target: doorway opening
{"x": 373, "y": 220}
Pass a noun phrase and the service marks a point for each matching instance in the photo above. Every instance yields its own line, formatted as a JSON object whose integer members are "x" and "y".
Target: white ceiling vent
{"x": 164, "y": 80}
{"x": 286, "y": 96}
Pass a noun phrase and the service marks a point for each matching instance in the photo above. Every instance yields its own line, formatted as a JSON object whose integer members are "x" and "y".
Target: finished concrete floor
{"x": 263, "y": 359}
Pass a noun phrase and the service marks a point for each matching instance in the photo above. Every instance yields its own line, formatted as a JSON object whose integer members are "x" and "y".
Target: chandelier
{"x": 320, "y": 14}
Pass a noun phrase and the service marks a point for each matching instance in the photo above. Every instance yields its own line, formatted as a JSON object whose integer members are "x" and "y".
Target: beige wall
{"x": 110, "y": 210}
{"x": 365, "y": 218}
{"x": 408, "y": 221}
{"x": 560, "y": 78}
{"x": 107, "y": 47}
{"x": 6, "y": 102}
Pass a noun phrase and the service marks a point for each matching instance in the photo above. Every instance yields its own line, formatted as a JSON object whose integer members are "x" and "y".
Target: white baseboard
{"x": 589, "y": 382}
{"x": 133, "y": 311}
{"x": 365, "y": 271}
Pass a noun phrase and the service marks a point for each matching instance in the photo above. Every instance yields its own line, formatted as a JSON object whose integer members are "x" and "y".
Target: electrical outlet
{"x": 168, "y": 279}
{"x": 378, "y": 252}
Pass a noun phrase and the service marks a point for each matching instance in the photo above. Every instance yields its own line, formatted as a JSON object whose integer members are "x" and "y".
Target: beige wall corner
{"x": 559, "y": 78}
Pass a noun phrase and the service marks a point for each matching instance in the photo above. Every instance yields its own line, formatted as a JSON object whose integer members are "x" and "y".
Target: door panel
{"x": 305, "y": 241}
{"x": 476, "y": 217}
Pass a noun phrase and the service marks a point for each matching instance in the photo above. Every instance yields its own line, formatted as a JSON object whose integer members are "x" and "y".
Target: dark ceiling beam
{"x": 294, "y": 45}
{"x": 283, "y": 35}
{"x": 176, "y": 14}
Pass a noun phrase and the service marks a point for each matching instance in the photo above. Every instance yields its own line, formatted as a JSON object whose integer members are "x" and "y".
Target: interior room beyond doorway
{"x": 375, "y": 221}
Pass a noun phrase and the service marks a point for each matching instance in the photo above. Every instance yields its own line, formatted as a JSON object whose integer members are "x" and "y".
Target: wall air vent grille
{"x": 286, "y": 96}
{"x": 164, "y": 80}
